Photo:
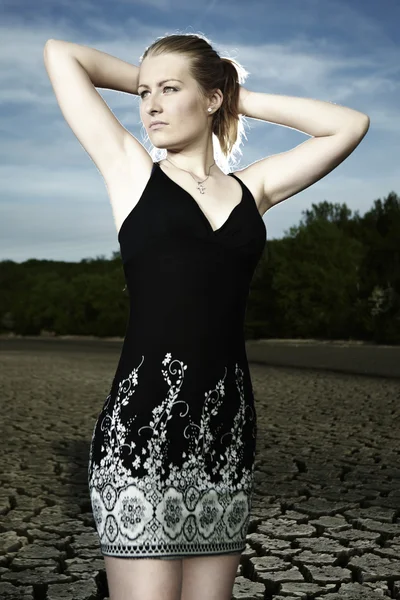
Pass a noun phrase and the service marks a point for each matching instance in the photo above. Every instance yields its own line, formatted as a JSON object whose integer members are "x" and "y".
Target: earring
{"x": 209, "y": 109}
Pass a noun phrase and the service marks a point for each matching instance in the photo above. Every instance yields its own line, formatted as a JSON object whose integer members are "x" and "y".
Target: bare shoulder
{"x": 128, "y": 178}
{"x": 253, "y": 178}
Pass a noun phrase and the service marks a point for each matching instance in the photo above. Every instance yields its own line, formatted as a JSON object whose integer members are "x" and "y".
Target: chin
{"x": 168, "y": 145}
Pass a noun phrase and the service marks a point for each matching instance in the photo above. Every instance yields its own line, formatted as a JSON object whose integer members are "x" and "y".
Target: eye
{"x": 167, "y": 87}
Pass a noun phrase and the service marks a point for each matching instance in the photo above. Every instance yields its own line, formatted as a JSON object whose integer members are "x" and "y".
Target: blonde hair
{"x": 211, "y": 71}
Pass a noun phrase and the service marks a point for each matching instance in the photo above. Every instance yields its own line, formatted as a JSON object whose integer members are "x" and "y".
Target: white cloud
{"x": 338, "y": 54}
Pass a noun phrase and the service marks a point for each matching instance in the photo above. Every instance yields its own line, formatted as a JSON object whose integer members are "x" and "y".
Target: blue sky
{"x": 53, "y": 200}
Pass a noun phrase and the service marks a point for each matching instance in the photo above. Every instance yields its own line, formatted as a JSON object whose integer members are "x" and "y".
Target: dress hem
{"x": 174, "y": 556}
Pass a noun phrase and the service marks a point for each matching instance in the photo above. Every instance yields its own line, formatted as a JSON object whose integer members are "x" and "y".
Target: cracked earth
{"x": 326, "y": 510}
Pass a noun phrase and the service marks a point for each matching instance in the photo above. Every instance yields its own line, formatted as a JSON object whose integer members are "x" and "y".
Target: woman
{"x": 172, "y": 455}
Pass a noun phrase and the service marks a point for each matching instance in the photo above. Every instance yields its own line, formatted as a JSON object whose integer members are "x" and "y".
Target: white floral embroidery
{"x": 200, "y": 506}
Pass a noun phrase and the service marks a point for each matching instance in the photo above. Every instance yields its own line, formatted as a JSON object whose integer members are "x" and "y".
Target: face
{"x": 178, "y": 103}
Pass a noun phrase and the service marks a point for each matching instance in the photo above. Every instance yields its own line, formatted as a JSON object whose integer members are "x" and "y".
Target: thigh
{"x": 143, "y": 578}
{"x": 209, "y": 577}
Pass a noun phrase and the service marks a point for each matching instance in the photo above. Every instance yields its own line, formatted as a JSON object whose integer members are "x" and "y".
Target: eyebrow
{"x": 159, "y": 83}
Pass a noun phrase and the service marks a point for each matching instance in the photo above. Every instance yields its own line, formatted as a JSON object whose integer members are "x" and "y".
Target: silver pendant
{"x": 201, "y": 188}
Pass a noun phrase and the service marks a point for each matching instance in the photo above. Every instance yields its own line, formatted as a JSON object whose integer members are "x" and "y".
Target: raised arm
{"x": 336, "y": 131}
{"x": 75, "y": 71}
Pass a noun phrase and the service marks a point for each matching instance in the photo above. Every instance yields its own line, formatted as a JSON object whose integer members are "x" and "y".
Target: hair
{"x": 211, "y": 71}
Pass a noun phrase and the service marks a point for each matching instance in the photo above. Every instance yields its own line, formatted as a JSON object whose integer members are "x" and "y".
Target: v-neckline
{"x": 201, "y": 212}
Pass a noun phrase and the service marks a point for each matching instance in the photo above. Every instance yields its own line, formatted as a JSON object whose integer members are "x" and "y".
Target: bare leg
{"x": 209, "y": 577}
{"x": 143, "y": 578}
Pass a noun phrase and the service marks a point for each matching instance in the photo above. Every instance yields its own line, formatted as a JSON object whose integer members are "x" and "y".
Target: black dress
{"x": 171, "y": 460}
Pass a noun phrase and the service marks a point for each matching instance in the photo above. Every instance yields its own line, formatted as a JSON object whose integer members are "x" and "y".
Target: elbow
{"x": 47, "y": 46}
{"x": 365, "y": 122}
{"x": 360, "y": 126}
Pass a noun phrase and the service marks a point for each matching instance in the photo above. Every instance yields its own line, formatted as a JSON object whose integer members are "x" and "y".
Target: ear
{"x": 216, "y": 99}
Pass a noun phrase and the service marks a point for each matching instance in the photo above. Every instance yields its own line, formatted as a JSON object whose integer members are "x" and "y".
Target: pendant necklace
{"x": 200, "y": 185}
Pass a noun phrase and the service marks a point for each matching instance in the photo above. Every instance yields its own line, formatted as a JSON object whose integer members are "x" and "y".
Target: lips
{"x": 156, "y": 123}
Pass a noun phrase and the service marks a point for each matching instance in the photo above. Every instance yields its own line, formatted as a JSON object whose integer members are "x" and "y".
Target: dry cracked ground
{"x": 326, "y": 513}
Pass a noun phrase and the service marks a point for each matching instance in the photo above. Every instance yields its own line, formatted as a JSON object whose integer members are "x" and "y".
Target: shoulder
{"x": 252, "y": 180}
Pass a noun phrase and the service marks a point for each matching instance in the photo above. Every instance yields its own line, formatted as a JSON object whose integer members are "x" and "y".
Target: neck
{"x": 200, "y": 167}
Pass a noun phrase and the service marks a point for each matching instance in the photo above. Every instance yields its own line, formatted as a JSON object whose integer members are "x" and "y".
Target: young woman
{"x": 172, "y": 454}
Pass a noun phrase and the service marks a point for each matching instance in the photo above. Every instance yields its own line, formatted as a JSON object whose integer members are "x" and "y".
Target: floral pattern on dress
{"x": 200, "y": 506}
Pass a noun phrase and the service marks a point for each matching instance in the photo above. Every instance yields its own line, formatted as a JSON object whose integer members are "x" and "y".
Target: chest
{"x": 214, "y": 199}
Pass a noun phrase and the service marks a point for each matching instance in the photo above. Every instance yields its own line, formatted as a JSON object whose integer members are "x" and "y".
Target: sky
{"x": 53, "y": 200}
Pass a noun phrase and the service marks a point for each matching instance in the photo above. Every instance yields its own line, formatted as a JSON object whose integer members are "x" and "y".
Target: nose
{"x": 153, "y": 105}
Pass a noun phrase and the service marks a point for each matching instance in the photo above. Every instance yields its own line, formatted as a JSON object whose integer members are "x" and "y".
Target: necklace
{"x": 200, "y": 185}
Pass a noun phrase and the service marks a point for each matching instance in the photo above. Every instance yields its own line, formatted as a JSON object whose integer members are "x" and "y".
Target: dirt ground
{"x": 326, "y": 511}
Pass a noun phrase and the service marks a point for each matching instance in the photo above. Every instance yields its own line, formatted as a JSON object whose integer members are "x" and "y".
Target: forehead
{"x": 155, "y": 68}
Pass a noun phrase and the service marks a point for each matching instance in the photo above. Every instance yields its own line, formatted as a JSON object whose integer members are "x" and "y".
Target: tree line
{"x": 336, "y": 275}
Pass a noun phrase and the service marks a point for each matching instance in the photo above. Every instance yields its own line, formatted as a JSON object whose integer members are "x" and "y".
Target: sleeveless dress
{"x": 171, "y": 459}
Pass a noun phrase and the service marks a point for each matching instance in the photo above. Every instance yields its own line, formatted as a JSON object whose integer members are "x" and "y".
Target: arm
{"x": 104, "y": 70}
{"x": 74, "y": 72}
{"x": 336, "y": 130}
{"x": 314, "y": 117}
